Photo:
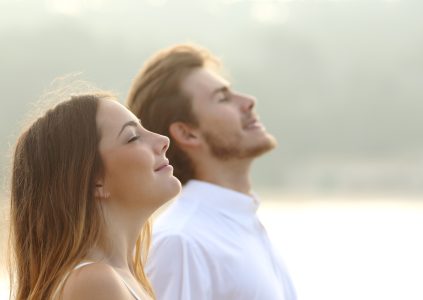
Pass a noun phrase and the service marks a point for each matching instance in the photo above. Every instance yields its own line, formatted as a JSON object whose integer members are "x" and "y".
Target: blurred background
{"x": 338, "y": 82}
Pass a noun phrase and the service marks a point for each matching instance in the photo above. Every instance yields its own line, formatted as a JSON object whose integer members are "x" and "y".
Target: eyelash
{"x": 133, "y": 139}
{"x": 226, "y": 96}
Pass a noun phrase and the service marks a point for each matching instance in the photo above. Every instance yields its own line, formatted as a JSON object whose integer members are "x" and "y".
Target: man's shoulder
{"x": 174, "y": 226}
{"x": 178, "y": 217}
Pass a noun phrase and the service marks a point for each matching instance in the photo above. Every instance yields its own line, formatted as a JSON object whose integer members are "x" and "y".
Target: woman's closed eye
{"x": 134, "y": 138}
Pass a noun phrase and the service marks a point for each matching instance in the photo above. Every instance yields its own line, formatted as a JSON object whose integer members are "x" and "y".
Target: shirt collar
{"x": 219, "y": 198}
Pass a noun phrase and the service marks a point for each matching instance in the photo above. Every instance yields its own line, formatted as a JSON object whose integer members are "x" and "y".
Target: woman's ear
{"x": 183, "y": 134}
{"x": 100, "y": 191}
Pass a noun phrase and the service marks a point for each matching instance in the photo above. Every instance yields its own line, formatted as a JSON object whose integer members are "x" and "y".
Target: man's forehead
{"x": 203, "y": 80}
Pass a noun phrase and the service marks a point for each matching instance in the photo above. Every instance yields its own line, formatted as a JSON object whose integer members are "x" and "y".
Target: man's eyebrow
{"x": 129, "y": 123}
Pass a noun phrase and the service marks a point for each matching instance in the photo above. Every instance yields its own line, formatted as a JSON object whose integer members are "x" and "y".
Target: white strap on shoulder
{"x": 130, "y": 289}
{"x": 62, "y": 282}
{"x": 82, "y": 264}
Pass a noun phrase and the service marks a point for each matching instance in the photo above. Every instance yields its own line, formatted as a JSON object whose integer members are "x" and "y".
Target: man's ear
{"x": 100, "y": 191}
{"x": 184, "y": 134}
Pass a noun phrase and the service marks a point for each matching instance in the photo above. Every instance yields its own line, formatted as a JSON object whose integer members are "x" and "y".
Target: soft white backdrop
{"x": 363, "y": 248}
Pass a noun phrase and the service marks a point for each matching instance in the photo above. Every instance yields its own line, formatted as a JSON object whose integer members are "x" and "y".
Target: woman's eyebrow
{"x": 129, "y": 123}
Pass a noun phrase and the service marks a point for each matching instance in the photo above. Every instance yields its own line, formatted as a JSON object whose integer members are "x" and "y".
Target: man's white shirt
{"x": 209, "y": 244}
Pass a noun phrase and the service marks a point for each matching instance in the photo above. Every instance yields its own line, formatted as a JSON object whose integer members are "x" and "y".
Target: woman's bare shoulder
{"x": 95, "y": 281}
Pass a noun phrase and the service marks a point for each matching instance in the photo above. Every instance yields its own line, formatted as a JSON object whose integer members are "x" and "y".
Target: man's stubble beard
{"x": 232, "y": 149}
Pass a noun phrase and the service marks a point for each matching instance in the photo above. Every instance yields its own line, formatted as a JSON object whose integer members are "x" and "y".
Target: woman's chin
{"x": 176, "y": 188}
{"x": 171, "y": 190}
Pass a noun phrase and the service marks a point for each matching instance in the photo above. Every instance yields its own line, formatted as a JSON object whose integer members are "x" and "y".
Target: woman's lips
{"x": 164, "y": 166}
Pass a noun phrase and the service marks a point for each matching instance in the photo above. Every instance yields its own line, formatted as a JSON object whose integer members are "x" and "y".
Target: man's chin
{"x": 266, "y": 145}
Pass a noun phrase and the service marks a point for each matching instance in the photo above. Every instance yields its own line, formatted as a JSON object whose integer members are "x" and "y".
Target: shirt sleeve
{"x": 177, "y": 269}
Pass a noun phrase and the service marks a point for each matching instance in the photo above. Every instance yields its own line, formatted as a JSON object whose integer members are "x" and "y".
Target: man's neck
{"x": 233, "y": 175}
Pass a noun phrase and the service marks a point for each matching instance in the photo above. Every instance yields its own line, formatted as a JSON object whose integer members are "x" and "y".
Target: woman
{"x": 86, "y": 178}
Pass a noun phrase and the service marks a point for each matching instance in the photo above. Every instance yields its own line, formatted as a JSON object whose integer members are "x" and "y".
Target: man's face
{"x": 227, "y": 121}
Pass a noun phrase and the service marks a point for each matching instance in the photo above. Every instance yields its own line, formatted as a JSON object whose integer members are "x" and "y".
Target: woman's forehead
{"x": 111, "y": 116}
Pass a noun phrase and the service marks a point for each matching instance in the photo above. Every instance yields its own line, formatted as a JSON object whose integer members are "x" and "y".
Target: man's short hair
{"x": 157, "y": 99}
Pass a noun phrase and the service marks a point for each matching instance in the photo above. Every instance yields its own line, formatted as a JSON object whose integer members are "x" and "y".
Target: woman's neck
{"x": 120, "y": 234}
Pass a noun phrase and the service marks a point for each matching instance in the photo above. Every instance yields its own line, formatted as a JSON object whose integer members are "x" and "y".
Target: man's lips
{"x": 253, "y": 124}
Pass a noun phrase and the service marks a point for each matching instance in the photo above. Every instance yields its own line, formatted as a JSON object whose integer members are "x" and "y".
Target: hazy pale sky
{"x": 339, "y": 83}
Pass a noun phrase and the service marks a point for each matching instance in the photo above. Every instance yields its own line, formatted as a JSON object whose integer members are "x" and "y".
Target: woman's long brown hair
{"x": 55, "y": 218}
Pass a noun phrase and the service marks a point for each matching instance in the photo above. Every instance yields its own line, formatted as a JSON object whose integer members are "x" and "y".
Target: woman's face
{"x": 137, "y": 173}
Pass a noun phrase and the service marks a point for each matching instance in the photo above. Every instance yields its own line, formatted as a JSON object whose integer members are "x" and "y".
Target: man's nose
{"x": 247, "y": 102}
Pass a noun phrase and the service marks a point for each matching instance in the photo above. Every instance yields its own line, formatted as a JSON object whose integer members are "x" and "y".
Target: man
{"x": 209, "y": 243}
